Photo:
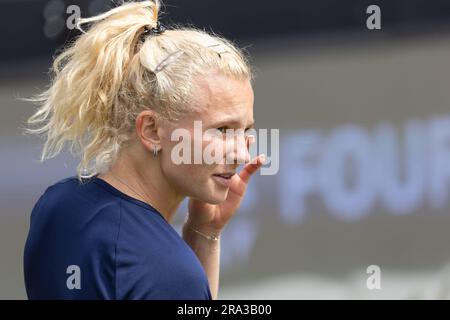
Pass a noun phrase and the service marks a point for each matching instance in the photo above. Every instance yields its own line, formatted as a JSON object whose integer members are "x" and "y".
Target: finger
{"x": 250, "y": 140}
{"x": 251, "y": 168}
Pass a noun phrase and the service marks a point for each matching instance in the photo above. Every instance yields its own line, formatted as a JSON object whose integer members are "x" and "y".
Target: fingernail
{"x": 263, "y": 158}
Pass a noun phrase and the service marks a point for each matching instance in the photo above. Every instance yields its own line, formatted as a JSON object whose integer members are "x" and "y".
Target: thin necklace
{"x": 139, "y": 194}
{"x": 132, "y": 189}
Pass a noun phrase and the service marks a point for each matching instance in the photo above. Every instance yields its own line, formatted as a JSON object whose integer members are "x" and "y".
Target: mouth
{"x": 226, "y": 175}
{"x": 224, "y": 178}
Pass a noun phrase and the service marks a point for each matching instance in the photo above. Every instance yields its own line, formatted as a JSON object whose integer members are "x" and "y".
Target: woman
{"x": 118, "y": 95}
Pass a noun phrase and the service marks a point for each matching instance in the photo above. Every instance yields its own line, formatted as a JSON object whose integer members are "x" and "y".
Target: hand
{"x": 211, "y": 218}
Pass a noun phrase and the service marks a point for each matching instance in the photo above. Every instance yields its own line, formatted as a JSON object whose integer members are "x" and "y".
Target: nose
{"x": 238, "y": 149}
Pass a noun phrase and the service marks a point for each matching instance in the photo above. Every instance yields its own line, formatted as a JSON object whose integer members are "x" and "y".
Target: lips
{"x": 226, "y": 175}
{"x": 224, "y": 178}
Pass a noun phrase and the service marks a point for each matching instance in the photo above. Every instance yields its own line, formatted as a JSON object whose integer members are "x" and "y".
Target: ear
{"x": 147, "y": 129}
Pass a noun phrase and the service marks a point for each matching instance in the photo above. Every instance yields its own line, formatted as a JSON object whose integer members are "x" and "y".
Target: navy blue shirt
{"x": 91, "y": 241}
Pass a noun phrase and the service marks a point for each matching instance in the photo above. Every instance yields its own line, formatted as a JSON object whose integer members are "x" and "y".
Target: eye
{"x": 222, "y": 129}
{"x": 246, "y": 131}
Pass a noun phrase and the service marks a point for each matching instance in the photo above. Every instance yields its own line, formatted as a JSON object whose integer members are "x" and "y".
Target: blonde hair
{"x": 113, "y": 71}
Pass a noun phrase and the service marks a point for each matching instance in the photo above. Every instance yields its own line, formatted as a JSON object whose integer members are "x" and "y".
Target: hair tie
{"x": 159, "y": 29}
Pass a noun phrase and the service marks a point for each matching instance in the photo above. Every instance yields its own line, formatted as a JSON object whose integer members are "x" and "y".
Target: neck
{"x": 145, "y": 181}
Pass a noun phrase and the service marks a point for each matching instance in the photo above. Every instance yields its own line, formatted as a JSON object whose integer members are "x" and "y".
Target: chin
{"x": 210, "y": 193}
{"x": 215, "y": 199}
{"x": 214, "y": 196}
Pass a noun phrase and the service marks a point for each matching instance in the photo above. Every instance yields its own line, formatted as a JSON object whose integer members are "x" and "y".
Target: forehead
{"x": 219, "y": 97}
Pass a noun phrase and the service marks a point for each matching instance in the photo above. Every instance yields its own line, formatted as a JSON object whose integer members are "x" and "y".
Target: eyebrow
{"x": 234, "y": 121}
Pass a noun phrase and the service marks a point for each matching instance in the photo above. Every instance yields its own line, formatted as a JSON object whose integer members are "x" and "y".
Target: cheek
{"x": 213, "y": 149}
{"x": 190, "y": 177}
{"x": 186, "y": 176}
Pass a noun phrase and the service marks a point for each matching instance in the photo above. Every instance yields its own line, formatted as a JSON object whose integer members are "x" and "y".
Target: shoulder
{"x": 72, "y": 194}
{"x": 70, "y": 187}
{"x": 78, "y": 210}
{"x": 73, "y": 225}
